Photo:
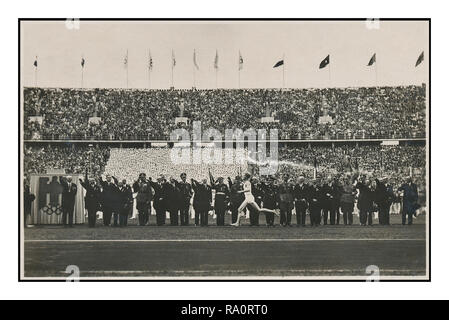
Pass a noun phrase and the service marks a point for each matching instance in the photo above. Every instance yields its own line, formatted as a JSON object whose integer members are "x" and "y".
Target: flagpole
{"x": 172, "y": 59}
{"x": 149, "y": 69}
{"x": 330, "y": 79}
{"x": 82, "y": 71}
{"x": 238, "y": 66}
{"x": 193, "y": 69}
{"x": 127, "y": 63}
{"x": 376, "y": 70}
{"x": 283, "y": 71}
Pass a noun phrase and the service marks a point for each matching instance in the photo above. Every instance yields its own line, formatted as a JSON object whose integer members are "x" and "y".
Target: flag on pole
{"x": 150, "y": 61}
{"x": 125, "y": 60}
{"x": 216, "y": 60}
{"x": 194, "y": 60}
{"x": 82, "y": 62}
{"x": 173, "y": 59}
{"x": 240, "y": 61}
{"x": 372, "y": 60}
{"x": 35, "y": 62}
{"x": 279, "y": 63}
{"x": 420, "y": 59}
{"x": 325, "y": 62}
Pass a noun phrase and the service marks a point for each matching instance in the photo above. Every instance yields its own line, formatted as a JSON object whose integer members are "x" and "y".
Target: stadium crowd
{"x": 72, "y": 160}
{"x": 393, "y": 112}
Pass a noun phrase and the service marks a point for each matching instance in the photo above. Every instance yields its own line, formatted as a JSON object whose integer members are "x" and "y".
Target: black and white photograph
{"x": 224, "y": 149}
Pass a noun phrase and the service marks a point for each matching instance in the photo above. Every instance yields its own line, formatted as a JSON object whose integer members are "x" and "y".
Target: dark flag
{"x": 279, "y": 63}
{"x": 325, "y": 62}
{"x": 35, "y": 63}
{"x": 420, "y": 59}
{"x": 82, "y": 62}
{"x": 372, "y": 60}
{"x": 240, "y": 61}
{"x": 211, "y": 177}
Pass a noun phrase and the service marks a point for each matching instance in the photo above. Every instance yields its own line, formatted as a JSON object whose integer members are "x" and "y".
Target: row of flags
{"x": 326, "y": 61}
{"x": 323, "y": 63}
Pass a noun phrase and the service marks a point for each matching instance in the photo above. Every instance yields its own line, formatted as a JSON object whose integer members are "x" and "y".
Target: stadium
{"x": 325, "y": 136}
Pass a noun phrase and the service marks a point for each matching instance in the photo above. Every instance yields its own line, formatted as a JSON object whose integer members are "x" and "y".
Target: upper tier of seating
{"x": 366, "y": 112}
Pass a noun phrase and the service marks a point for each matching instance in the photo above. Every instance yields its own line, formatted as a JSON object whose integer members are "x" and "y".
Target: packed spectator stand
{"x": 357, "y": 113}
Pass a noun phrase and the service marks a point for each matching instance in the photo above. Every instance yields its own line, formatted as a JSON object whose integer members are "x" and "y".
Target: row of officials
{"x": 324, "y": 199}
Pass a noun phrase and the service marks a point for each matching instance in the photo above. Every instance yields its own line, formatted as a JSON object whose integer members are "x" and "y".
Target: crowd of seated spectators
{"x": 72, "y": 160}
{"x": 386, "y": 112}
{"x": 391, "y": 162}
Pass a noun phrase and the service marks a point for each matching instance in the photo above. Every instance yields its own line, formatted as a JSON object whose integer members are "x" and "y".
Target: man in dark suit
{"x": 410, "y": 200}
{"x": 237, "y": 197}
{"x": 28, "y": 198}
{"x": 337, "y": 191}
{"x": 186, "y": 194}
{"x": 160, "y": 194}
{"x": 256, "y": 190}
{"x": 301, "y": 194}
{"x": 125, "y": 205}
{"x": 201, "y": 201}
{"x": 143, "y": 198}
{"x": 173, "y": 201}
{"x": 365, "y": 201}
{"x": 383, "y": 201}
{"x": 269, "y": 199}
{"x": 91, "y": 200}
{"x": 315, "y": 203}
{"x": 108, "y": 201}
{"x": 327, "y": 199}
{"x": 68, "y": 199}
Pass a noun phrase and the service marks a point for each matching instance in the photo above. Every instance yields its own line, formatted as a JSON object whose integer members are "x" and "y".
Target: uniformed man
{"x": 286, "y": 201}
{"x": 237, "y": 197}
{"x": 186, "y": 191}
{"x": 221, "y": 200}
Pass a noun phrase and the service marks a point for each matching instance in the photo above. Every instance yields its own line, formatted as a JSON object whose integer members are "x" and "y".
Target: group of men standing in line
{"x": 323, "y": 198}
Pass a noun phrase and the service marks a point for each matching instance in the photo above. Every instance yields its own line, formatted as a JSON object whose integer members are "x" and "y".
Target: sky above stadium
{"x": 304, "y": 44}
